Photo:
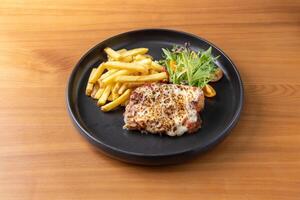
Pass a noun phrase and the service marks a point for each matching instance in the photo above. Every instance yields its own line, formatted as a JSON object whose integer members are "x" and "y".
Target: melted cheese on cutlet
{"x": 165, "y": 107}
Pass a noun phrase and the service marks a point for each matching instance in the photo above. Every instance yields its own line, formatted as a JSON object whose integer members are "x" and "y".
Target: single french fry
{"x": 122, "y": 89}
{"x": 112, "y": 53}
{"x": 89, "y": 89}
{"x": 104, "y": 96}
{"x": 139, "y": 57}
{"x": 120, "y": 51}
{"x": 89, "y": 86}
{"x": 146, "y": 63}
{"x": 142, "y": 57}
{"x": 156, "y": 66}
{"x": 123, "y": 65}
{"x": 109, "y": 58}
{"x": 116, "y": 88}
{"x": 101, "y": 85}
{"x": 115, "y": 95}
{"x": 110, "y": 97}
{"x": 134, "y": 84}
{"x": 127, "y": 59}
{"x": 152, "y": 71}
{"x": 97, "y": 73}
{"x": 95, "y": 89}
{"x": 145, "y": 78}
{"x": 116, "y": 102}
{"x": 125, "y": 103}
{"x": 107, "y": 74}
{"x": 111, "y": 78}
{"x": 99, "y": 93}
{"x": 92, "y": 73}
{"x": 148, "y": 56}
{"x": 134, "y": 52}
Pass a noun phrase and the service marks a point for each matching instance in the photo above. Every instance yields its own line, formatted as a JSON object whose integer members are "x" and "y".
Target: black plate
{"x": 105, "y": 131}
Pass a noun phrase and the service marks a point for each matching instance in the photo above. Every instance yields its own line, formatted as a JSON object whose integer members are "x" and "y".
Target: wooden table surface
{"x": 43, "y": 157}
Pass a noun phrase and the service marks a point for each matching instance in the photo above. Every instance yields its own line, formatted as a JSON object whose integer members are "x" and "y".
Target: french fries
{"x": 121, "y": 99}
{"x": 107, "y": 74}
{"x": 110, "y": 97}
{"x": 99, "y": 93}
{"x": 116, "y": 87}
{"x": 134, "y": 52}
{"x": 115, "y": 96}
{"x": 122, "y": 50}
{"x": 123, "y": 65}
{"x": 111, "y": 53}
{"x": 97, "y": 73}
{"x": 145, "y": 62}
{"x": 156, "y": 66}
{"x": 134, "y": 84}
{"x": 139, "y": 57}
{"x": 122, "y": 89}
{"x": 153, "y": 71}
{"x": 111, "y": 78}
{"x": 95, "y": 90}
{"x": 102, "y": 100}
{"x": 127, "y": 59}
{"x": 89, "y": 86}
{"x": 146, "y": 78}
{"x": 112, "y": 81}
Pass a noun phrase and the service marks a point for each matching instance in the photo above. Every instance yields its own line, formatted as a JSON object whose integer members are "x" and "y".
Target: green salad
{"x": 188, "y": 67}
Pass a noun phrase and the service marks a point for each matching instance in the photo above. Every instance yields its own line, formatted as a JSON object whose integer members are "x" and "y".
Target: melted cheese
{"x": 163, "y": 108}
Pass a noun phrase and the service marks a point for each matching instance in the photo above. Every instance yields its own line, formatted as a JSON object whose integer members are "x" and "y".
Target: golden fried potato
{"x": 122, "y": 65}
{"x": 124, "y": 71}
{"x": 121, "y": 99}
{"x": 97, "y": 73}
{"x": 95, "y": 90}
{"x": 134, "y": 52}
{"x": 112, "y": 77}
{"x": 122, "y": 89}
{"x": 105, "y": 95}
{"x": 89, "y": 86}
{"x": 99, "y": 93}
{"x": 112, "y": 53}
{"x": 108, "y": 73}
{"x": 145, "y": 78}
{"x": 157, "y": 67}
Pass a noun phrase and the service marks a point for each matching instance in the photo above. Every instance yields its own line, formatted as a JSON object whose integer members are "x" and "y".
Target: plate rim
{"x": 106, "y": 147}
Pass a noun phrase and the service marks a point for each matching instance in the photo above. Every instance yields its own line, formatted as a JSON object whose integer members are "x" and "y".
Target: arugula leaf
{"x": 189, "y": 67}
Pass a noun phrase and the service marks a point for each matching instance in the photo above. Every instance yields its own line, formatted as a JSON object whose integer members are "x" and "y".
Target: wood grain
{"x": 42, "y": 156}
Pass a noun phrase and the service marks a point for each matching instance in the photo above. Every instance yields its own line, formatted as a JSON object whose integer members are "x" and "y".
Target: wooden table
{"x": 43, "y": 157}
